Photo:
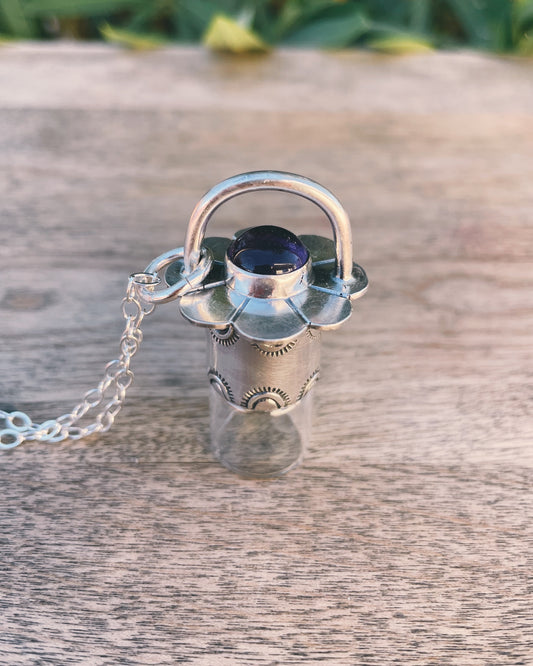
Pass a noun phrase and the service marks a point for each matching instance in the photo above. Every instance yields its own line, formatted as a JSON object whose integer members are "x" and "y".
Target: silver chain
{"x": 107, "y": 397}
{"x": 104, "y": 402}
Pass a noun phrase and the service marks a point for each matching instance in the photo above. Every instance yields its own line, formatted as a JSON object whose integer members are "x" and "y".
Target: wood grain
{"x": 405, "y": 537}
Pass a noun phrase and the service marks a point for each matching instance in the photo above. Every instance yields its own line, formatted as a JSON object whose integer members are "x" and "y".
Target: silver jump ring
{"x": 189, "y": 280}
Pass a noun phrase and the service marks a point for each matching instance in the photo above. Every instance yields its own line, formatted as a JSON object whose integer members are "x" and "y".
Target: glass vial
{"x": 259, "y": 444}
{"x": 261, "y": 400}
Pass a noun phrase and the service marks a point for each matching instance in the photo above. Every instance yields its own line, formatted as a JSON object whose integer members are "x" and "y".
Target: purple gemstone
{"x": 268, "y": 250}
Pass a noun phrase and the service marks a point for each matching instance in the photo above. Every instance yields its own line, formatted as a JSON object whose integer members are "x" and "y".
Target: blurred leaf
{"x": 77, "y": 7}
{"x": 189, "y": 19}
{"x": 142, "y": 18}
{"x": 265, "y": 19}
{"x": 296, "y": 13}
{"x": 485, "y": 22}
{"x": 338, "y": 27}
{"x": 15, "y": 20}
{"x": 523, "y": 16}
{"x": 198, "y": 14}
{"x": 420, "y": 11}
{"x": 225, "y": 34}
{"x": 525, "y": 45}
{"x": 399, "y": 44}
{"x": 472, "y": 20}
{"x": 131, "y": 40}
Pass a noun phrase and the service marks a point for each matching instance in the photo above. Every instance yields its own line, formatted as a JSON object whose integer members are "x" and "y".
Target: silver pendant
{"x": 264, "y": 301}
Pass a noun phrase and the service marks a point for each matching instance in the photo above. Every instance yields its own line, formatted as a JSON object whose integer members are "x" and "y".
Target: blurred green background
{"x": 504, "y": 26}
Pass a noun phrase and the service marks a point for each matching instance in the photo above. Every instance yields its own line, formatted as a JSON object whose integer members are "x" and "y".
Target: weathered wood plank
{"x": 405, "y": 537}
{"x": 61, "y": 76}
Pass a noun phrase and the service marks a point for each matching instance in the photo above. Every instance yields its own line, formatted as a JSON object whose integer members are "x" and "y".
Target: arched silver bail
{"x": 271, "y": 180}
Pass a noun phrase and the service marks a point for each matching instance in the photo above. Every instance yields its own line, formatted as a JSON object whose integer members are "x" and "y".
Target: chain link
{"x": 108, "y": 396}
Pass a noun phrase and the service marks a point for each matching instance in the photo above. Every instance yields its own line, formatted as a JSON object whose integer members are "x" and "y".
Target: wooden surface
{"x": 405, "y": 537}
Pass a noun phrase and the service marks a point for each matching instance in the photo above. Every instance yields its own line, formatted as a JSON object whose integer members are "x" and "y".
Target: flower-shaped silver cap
{"x": 270, "y": 285}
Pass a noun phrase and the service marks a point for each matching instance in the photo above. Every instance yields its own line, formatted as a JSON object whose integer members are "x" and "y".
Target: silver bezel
{"x": 254, "y": 285}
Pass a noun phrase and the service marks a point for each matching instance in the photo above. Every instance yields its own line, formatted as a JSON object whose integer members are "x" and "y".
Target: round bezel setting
{"x": 267, "y": 250}
{"x": 267, "y": 262}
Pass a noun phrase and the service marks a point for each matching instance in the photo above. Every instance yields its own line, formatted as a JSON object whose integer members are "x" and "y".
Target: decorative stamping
{"x": 265, "y": 399}
{"x": 313, "y": 334}
{"x": 309, "y": 384}
{"x": 221, "y": 385}
{"x": 225, "y": 336}
{"x": 274, "y": 349}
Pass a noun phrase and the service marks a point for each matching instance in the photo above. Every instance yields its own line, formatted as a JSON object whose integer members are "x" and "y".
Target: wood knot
{"x": 27, "y": 300}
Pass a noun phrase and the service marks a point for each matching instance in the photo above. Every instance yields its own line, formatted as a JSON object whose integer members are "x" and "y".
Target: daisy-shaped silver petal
{"x": 319, "y": 300}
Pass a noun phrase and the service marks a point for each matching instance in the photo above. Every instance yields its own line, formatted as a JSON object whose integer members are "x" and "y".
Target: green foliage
{"x": 37, "y": 8}
{"x": 335, "y": 26}
{"x": 13, "y": 20}
{"x": 398, "y": 44}
{"x": 523, "y": 27}
{"x": 131, "y": 40}
{"x": 226, "y": 34}
{"x": 394, "y": 26}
